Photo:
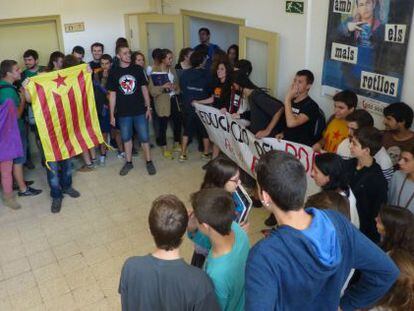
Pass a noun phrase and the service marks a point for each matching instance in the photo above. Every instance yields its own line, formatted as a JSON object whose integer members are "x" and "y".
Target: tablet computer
{"x": 243, "y": 204}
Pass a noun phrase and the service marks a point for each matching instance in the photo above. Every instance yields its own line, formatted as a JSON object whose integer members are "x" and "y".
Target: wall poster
{"x": 366, "y": 48}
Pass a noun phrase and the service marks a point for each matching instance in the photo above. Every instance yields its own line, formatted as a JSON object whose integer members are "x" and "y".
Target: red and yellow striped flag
{"x": 64, "y": 107}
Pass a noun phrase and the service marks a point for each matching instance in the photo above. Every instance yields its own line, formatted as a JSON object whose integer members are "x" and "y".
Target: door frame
{"x": 55, "y": 18}
{"x": 152, "y": 17}
{"x": 272, "y": 40}
{"x": 187, "y": 14}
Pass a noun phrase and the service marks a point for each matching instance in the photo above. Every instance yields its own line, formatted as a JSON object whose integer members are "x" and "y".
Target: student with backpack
{"x": 265, "y": 111}
{"x": 305, "y": 121}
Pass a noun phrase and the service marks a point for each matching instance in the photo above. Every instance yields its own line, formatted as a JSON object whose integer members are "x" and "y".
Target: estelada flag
{"x": 64, "y": 108}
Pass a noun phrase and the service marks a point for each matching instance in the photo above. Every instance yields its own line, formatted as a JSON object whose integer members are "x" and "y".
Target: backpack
{"x": 9, "y": 87}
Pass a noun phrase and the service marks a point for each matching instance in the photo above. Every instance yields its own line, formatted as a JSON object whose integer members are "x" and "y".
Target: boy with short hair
{"x": 366, "y": 179}
{"x": 129, "y": 100}
{"x": 336, "y": 131}
{"x": 398, "y": 118}
{"x": 79, "y": 52}
{"x": 31, "y": 62}
{"x": 162, "y": 280}
{"x": 195, "y": 85}
{"x": 356, "y": 120}
{"x": 303, "y": 264}
{"x": 97, "y": 50}
{"x": 302, "y": 113}
{"x": 212, "y": 227}
{"x": 9, "y": 76}
{"x": 102, "y": 104}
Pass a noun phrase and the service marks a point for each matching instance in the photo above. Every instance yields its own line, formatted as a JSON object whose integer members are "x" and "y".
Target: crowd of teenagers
{"x": 350, "y": 245}
{"x": 316, "y": 258}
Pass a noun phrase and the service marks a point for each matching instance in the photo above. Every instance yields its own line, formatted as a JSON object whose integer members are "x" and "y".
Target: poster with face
{"x": 366, "y": 48}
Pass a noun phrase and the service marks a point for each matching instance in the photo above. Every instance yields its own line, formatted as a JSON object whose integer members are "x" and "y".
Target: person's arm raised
{"x": 293, "y": 120}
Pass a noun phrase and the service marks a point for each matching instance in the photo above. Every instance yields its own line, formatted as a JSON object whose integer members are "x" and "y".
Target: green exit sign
{"x": 295, "y": 7}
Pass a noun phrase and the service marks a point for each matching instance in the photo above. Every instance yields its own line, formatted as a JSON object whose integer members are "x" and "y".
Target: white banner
{"x": 242, "y": 146}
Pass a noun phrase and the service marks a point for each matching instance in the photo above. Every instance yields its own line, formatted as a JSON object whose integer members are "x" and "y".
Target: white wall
{"x": 264, "y": 14}
{"x": 104, "y": 19}
{"x": 302, "y": 38}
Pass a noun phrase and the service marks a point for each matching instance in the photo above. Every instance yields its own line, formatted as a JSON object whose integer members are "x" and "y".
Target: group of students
{"x": 315, "y": 259}
{"x": 126, "y": 101}
{"x": 306, "y": 262}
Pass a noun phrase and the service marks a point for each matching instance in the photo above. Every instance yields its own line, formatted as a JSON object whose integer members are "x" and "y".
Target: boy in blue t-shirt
{"x": 211, "y": 226}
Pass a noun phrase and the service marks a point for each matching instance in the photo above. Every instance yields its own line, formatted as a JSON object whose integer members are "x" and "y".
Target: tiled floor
{"x": 72, "y": 260}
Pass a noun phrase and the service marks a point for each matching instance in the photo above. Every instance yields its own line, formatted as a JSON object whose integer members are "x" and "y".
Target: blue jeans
{"x": 59, "y": 177}
{"x": 139, "y": 122}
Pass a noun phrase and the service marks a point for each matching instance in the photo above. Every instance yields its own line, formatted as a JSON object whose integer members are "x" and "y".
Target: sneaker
{"x": 86, "y": 168}
{"x": 168, "y": 155}
{"x": 11, "y": 202}
{"x": 121, "y": 155}
{"x": 151, "y": 168}
{"x": 72, "y": 192}
{"x": 206, "y": 156}
{"x": 177, "y": 147}
{"x": 27, "y": 182}
{"x": 56, "y": 205}
{"x": 126, "y": 168}
{"x": 94, "y": 161}
{"x": 29, "y": 192}
{"x": 102, "y": 160}
{"x": 271, "y": 221}
{"x": 182, "y": 158}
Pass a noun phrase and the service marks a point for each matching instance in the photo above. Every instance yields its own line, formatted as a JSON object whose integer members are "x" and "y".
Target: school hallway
{"x": 73, "y": 260}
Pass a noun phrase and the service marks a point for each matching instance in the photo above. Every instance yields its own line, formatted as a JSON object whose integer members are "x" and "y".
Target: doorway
{"x": 42, "y": 34}
{"x": 150, "y": 31}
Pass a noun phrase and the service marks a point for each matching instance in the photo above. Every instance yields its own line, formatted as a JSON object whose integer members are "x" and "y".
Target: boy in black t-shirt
{"x": 366, "y": 179}
{"x": 129, "y": 100}
{"x": 162, "y": 280}
{"x": 301, "y": 111}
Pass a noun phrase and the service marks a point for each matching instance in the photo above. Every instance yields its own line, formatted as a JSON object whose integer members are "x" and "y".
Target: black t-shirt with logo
{"x": 127, "y": 83}
{"x": 303, "y": 134}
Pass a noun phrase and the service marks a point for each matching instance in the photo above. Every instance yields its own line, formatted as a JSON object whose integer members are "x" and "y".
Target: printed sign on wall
{"x": 366, "y": 48}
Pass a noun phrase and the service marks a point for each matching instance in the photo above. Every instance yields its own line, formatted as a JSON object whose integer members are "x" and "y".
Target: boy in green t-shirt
{"x": 212, "y": 227}
{"x": 10, "y": 74}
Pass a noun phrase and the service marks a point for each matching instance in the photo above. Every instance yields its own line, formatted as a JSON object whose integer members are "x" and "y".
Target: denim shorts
{"x": 22, "y": 159}
{"x": 139, "y": 122}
